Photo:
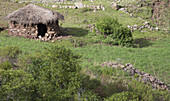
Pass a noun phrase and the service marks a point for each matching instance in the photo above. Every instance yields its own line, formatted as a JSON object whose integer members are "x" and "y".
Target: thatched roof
{"x": 33, "y": 14}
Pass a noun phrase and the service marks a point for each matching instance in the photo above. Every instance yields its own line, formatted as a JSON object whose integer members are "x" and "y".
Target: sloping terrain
{"x": 149, "y": 54}
{"x": 156, "y": 11}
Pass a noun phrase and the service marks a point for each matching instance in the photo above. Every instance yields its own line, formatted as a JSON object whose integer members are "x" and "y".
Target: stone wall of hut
{"x": 53, "y": 30}
{"x": 28, "y": 31}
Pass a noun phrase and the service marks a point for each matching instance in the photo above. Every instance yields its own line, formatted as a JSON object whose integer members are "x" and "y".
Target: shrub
{"x": 107, "y": 25}
{"x": 138, "y": 91}
{"x": 9, "y": 54}
{"x": 85, "y": 9}
{"x": 10, "y": 51}
{"x": 145, "y": 92}
{"x": 53, "y": 74}
{"x": 14, "y": 84}
{"x": 123, "y": 96}
{"x": 115, "y": 32}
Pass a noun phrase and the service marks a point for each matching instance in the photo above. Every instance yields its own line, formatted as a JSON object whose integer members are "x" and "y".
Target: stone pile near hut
{"x": 142, "y": 76}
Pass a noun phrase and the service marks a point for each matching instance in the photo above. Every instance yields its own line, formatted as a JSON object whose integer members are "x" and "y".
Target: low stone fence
{"x": 94, "y": 8}
{"x": 140, "y": 28}
{"x": 146, "y": 25}
{"x": 142, "y": 76}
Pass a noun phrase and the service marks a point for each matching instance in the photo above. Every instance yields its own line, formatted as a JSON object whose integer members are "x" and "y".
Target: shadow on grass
{"x": 1, "y": 29}
{"x": 142, "y": 42}
{"x": 78, "y": 32}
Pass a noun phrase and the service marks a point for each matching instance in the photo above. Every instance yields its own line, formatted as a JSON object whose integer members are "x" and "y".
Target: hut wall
{"x": 25, "y": 31}
{"x": 53, "y": 31}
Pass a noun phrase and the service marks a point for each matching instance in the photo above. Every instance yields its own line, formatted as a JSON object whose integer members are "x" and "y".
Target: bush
{"x": 138, "y": 91}
{"x": 53, "y": 74}
{"x": 14, "y": 84}
{"x": 85, "y": 9}
{"x": 116, "y": 34}
{"x": 123, "y": 96}
{"x": 56, "y": 74}
{"x": 9, "y": 54}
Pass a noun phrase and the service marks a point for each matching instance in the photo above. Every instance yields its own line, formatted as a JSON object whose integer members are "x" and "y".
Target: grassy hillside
{"x": 150, "y": 54}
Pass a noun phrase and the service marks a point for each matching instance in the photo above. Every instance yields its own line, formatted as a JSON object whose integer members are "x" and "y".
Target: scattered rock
{"x": 95, "y": 9}
{"x": 52, "y": 41}
{"x": 54, "y": 6}
{"x": 115, "y": 6}
{"x": 79, "y": 4}
{"x": 157, "y": 29}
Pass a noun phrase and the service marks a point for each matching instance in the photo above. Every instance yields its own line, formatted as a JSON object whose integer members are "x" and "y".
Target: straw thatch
{"x": 33, "y": 14}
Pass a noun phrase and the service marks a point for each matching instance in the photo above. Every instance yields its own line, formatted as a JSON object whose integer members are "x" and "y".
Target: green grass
{"x": 153, "y": 59}
{"x": 152, "y": 56}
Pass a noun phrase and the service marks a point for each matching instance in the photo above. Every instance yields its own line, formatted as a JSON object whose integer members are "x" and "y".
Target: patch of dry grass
{"x": 6, "y": 8}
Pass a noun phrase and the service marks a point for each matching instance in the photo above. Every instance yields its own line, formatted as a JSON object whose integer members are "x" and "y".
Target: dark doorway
{"x": 42, "y": 29}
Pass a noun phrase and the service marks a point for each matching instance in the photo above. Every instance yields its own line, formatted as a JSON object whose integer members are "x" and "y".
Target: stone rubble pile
{"x": 142, "y": 76}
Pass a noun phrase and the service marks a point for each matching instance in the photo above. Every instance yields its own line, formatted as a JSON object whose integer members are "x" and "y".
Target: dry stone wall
{"x": 142, "y": 76}
{"x": 80, "y": 5}
{"x": 25, "y": 31}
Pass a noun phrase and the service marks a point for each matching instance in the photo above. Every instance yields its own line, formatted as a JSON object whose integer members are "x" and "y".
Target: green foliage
{"x": 145, "y": 92}
{"x": 30, "y": 81}
{"x": 53, "y": 74}
{"x": 115, "y": 87}
{"x": 14, "y": 84}
{"x": 86, "y": 95}
{"x": 5, "y": 65}
{"x": 85, "y": 9}
{"x": 116, "y": 34}
{"x": 107, "y": 25}
{"x": 10, "y": 51}
{"x": 138, "y": 91}
{"x": 57, "y": 71}
{"x": 123, "y": 96}
{"x": 89, "y": 84}
{"x": 9, "y": 55}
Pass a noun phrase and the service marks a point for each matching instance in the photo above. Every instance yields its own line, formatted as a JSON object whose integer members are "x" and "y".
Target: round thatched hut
{"x": 34, "y": 22}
